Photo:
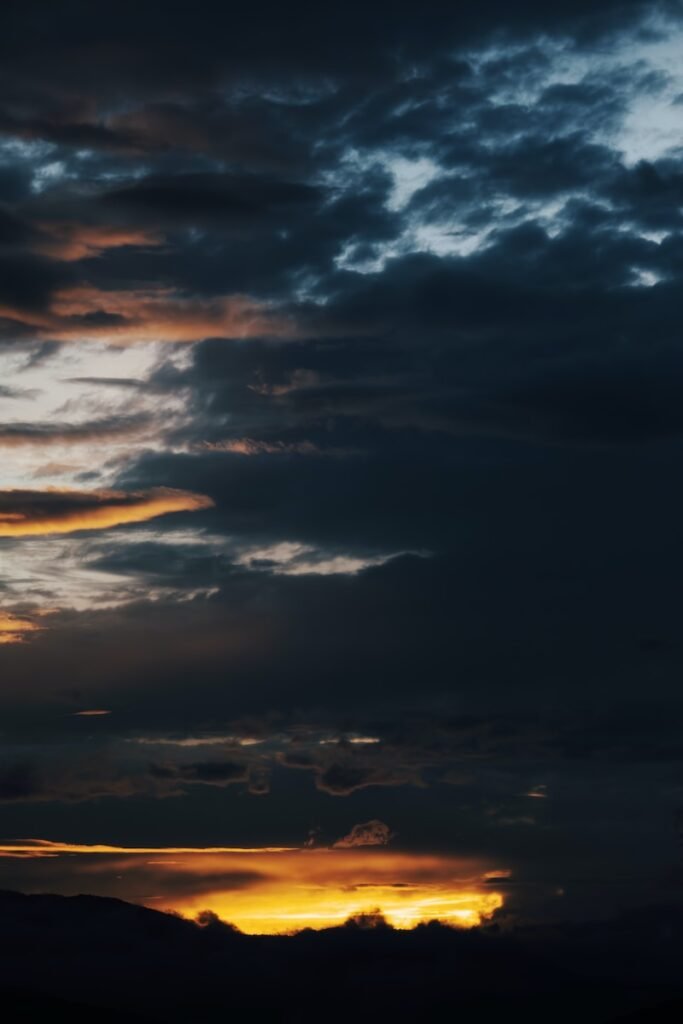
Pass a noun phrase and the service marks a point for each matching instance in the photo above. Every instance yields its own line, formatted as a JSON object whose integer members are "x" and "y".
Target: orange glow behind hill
{"x": 279, "y": 890}
{"x": 286, "y": 906}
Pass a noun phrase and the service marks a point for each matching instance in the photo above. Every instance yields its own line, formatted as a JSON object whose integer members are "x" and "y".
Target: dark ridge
{"x": 667, "y": 1013}
{"x": 87, "y": 958}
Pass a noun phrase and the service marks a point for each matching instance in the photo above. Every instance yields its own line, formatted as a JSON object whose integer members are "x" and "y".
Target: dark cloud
{"x": 18, "y": 782}
{"x": 237, "y": 203}
{"x": 26, "y": 284}
{"x": 209, "y": 773}
{"x": 9, "y": 392}
{"x": 15, "y": 434}
{"x": 303, "y": 45}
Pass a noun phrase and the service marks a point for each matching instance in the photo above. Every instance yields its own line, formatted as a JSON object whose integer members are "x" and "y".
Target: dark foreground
{"x": 90, "y": 959}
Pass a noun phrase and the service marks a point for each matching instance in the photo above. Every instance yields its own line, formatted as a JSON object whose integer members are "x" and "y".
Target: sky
{"x": 340, "y": 458}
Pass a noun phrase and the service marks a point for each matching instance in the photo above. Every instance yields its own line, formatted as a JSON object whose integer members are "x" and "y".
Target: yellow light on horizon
{"x": 280, "y": 890}
{"x": 276, "y": 910}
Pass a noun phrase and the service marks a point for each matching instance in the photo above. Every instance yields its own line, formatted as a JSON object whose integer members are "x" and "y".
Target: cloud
{"x": 251, "y": 446}
{"x": 208, "y": 773}
{"x": 15, "y": 629}
{"x": 85, "y": 313}
{"x": 100, "y": 772}
{"x": 41, "y": 434}
{"x": 371, "y": 833}
{"x": 236, "y": 202}
{"x": 33, "y": 513}
{"x": 342, "y": 772}
{"x": 64, "y": 240}
{"x": 18, "y": 782}
{"x": 47, "y": 847}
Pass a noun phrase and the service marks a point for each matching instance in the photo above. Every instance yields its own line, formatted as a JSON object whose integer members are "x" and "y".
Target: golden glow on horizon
{"x": 99, "y": 510}
{"x": 273, "y": 890}
{"x": 283, "y": 907}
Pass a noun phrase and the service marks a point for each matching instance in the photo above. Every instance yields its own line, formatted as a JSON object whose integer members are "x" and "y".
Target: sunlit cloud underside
{"x": 35, "y": 513}
{"x": 14, "y": 628}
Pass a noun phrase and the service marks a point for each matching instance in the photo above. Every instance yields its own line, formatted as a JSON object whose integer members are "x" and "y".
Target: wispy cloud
{"x": 35, "y": 513}
{"x": 15, "y": 629}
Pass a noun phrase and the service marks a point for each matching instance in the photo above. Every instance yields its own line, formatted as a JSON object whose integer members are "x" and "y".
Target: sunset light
{"x": 274, "y": 891}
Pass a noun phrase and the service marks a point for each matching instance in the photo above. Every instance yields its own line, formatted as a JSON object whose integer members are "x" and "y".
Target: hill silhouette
{"x": 88, "y": 958}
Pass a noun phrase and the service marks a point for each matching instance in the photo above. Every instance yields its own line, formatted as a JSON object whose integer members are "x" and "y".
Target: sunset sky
{"x": 341, "y": 448}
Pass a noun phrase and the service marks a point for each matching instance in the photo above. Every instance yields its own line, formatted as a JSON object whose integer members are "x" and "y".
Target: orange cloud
{"x": 68, "y": 241}
{"x": 32, "y": 513}
{"x": 46, "y": 847}
{"x": 86, "y": 313}
{"x": 276, "y": 890}
{"x": 249, "y": 446}
{"x": 370, "y": 833}
{"x": 14, "y": 629}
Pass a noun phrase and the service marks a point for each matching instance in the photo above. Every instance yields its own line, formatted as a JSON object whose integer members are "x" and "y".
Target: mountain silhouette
{"x": 86, "y": 958}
